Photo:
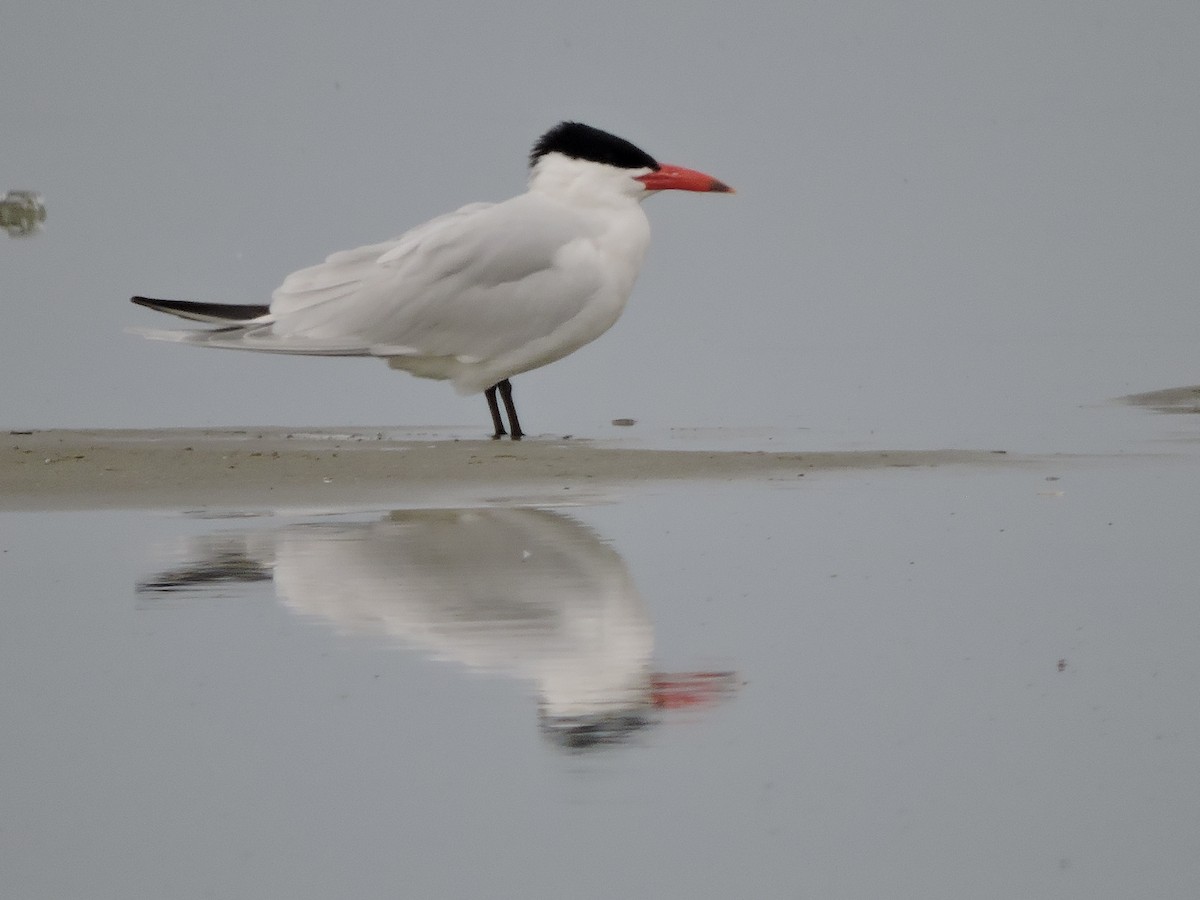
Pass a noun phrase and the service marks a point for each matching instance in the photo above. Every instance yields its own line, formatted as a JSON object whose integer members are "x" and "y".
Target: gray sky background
{"x": 955, "y": 224}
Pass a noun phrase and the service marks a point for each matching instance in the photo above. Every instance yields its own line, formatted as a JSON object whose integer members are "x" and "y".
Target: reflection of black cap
{"x": 577, "y": 733}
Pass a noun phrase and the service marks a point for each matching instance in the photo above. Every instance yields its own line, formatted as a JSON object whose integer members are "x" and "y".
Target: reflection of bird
{"x": 480, "y": 294}
{"x": 528, "y": 593}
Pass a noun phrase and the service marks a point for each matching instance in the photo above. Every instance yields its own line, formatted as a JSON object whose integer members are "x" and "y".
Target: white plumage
{"x": 480, "y": 294}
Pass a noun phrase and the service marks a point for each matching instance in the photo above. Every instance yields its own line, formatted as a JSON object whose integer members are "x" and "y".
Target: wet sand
{"x": 317, "y": 468}
{"x": 1180, "y": 400}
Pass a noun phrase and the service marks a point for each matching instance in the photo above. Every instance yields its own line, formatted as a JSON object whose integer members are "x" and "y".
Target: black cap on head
{"x": 584, "y": 142}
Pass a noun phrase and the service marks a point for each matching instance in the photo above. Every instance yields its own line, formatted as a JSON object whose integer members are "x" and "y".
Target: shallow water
{"x": 911, "y": 683}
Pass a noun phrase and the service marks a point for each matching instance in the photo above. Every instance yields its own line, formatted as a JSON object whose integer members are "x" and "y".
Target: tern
{"x": 478, "y": 295}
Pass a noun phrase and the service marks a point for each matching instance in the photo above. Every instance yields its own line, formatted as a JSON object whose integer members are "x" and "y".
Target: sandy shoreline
{"x": 1179, "y": 400}
{"x": 276, "y": 467}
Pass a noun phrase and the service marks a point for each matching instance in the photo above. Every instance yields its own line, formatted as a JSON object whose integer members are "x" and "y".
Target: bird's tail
{"x": 211, "y": 313}
{"x": 247, "y": 327}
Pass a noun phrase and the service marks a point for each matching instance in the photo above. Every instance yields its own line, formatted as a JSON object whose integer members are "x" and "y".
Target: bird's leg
{"x": 494, "y": 409}
{"x": 506, "y": 395}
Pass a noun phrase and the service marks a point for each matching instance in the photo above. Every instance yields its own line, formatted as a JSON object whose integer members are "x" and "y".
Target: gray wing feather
{"x": 475, "y": 283}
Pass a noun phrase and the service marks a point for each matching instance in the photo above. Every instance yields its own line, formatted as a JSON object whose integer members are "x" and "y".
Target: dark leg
{"x": 506, "y": 395}
{"x": 494, "y": 409}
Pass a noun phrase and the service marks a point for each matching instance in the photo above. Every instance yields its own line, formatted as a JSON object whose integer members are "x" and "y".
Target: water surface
{"x": 922, "y": 682}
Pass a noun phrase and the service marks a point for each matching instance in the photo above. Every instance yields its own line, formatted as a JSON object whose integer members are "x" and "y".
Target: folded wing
{"x": 474, "y": 284}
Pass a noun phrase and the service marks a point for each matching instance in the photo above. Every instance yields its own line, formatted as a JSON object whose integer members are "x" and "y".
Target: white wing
{"x": 478, "y": 295}
{"x": 475, "y": 284}
{"x": 343, "y": 272}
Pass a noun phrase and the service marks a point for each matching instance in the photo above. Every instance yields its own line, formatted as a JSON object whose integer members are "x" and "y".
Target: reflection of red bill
{"x": 684, "y": 689}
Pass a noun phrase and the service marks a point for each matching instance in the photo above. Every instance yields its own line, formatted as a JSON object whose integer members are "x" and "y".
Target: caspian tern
{"x": 478, "y": 295}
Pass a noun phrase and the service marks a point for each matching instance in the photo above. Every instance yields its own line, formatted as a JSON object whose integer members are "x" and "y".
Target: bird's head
{"x": 571, "y": 151}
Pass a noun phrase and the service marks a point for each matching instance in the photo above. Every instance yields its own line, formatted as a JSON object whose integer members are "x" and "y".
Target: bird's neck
{"x": 584, "y": 184}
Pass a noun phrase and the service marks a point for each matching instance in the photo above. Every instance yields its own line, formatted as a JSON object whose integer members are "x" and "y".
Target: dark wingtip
{"x": 204, "y": 312}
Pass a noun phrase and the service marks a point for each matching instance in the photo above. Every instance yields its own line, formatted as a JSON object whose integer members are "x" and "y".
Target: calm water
{"x": 905, "y": 683}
